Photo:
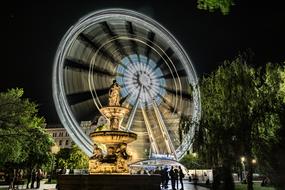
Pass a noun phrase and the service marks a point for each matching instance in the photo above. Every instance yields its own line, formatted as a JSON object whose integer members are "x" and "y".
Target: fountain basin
{"x": 113, "y": 137}
{"x": 114, "y": 111}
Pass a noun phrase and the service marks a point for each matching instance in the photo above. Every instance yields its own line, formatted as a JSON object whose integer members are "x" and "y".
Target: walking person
{"x": 33, "y": 178}
{"x": 166, "y": 178}
{"x": 181, "y": 176}
{"x": 38, "y": 178}
{"x": 176, "y": 175}
{"x": 29, "y": 175}
{"x": 172, "y": 177}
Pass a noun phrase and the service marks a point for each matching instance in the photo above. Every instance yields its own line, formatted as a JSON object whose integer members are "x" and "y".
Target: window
{"x": 66, "y": 142}
{"x": 53, "y": 134}
{"x": 66, "y": 134}
{"x": 60, "y": 142}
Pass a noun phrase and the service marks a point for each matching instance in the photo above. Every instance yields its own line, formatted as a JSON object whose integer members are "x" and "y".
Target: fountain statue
{"x": 116, "y": 159}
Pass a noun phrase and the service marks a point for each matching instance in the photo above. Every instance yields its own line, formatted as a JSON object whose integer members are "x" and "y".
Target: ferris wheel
{"x": 158, "y": 81}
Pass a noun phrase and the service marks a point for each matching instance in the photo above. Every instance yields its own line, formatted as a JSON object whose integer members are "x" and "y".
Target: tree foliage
{"x": 212, "y": 5}
{"x": 22, "y": 138}
{"x": 73, "y": 158}
{"x": 240, "y": 113}
{"x": 24, "y": 144}
{"x": 192, "y": 161}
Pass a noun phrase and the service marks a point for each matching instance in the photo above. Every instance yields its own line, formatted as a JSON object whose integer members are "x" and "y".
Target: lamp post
{"x": 253, "y": 161}
{"x": 195, "y": 179}
{"x": 243, "y": 168}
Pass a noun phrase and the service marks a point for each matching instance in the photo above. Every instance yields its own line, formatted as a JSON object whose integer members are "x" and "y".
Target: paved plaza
{"x": 187, "y": 186}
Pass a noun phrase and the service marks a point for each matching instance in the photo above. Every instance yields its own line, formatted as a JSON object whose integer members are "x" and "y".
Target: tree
{"x": 15, "y": 116}
{"x": 192, "y": 161}
{"x": 62, "y": 157}
{"x": 78, "y": 159}
{"x": 212, "y": 5}
{"x": 240, "y": 115}
{"x": 73, "y": 158}
{"x": 269, "y": 145}
{"x": 226, "y": 100}
{"x": 23, "y": 141}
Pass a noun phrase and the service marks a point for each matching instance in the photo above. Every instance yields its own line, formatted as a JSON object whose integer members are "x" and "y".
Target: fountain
{"x": 110, "y": 170}
{"x": 116, "y": 159}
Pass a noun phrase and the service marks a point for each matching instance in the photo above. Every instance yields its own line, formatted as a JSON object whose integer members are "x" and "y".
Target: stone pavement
{"x": 187, "y": 186}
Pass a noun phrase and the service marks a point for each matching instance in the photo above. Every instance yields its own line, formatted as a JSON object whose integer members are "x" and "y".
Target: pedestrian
{"x": 172, "y": 177}
{"x": 162, "y": 176}
{"x": 33, "y": 178}
{"x": 165, "y": 178}
{"x": 38, "y": 178}
{"x": 181, "y": 176}
{"x": 29, "y": 175}
{"x": 176, "y": 175}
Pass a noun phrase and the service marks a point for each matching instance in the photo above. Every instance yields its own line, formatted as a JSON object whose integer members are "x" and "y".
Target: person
{"x": 29, "y": 175}
{"x": 114, "y": 94}
{"x": 181, "y": 176}
{"x": 165, "y": 177}
{"x": 38, "y": 177}
{"x": 265, "y": 181}
{"x": 190, "y": 178}
{"x": 176, "y": 175}
{"x": 172, "y": 177}
{"x": 33, "y": 178}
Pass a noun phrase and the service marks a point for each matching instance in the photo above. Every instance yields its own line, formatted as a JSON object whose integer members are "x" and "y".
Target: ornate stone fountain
{"x": 103, "y": 166}
{"x": 116, "y": 159}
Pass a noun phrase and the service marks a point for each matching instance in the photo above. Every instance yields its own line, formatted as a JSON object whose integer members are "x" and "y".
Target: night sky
{"x": 31, "y": 32}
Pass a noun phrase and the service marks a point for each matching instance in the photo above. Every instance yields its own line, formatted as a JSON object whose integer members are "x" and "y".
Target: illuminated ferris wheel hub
{"x": 158, "y": 82}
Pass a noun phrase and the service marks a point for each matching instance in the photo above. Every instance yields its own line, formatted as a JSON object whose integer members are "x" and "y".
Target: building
{"x": 61, "y": 136}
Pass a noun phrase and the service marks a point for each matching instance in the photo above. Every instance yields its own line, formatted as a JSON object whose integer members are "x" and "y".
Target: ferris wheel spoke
{"x": 106, "y": 27}
{"x": 153, "y": 144}
{"x": 150, "y": 37}
{"x": 76, "y": 98}
{"x": 133, "y": 112}
{"x": 168, "y": 104}
{"x": 180, "y": 73}
{"x": 130, "y": 29}
{"x": 183, "y": 94}
{"x": 80, "y": 65}
{"x": 96, "y": 46}
{"x": 166, "y": 55}
{"x": 169, "y": 145}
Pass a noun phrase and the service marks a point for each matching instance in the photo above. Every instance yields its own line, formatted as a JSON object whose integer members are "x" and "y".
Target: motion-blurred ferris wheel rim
{"x": 59, "y": 92}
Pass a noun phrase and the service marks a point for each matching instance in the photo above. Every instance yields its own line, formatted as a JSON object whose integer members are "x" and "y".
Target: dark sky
{"x": 30, "y": 34}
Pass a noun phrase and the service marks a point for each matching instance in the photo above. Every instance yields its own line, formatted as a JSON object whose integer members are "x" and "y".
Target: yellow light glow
{"x": 253, "y": 161}
{"x": 242, "y": 158}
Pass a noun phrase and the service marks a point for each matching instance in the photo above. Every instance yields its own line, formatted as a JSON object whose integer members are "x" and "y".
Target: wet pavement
{"x": 187, "y": 186}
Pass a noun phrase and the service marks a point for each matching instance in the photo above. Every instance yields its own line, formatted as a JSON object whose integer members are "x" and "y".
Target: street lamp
{"x": 243, "y": 168}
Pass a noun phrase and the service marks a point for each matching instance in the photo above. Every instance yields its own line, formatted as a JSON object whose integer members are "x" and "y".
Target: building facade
{"x": 61, "y": 136}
